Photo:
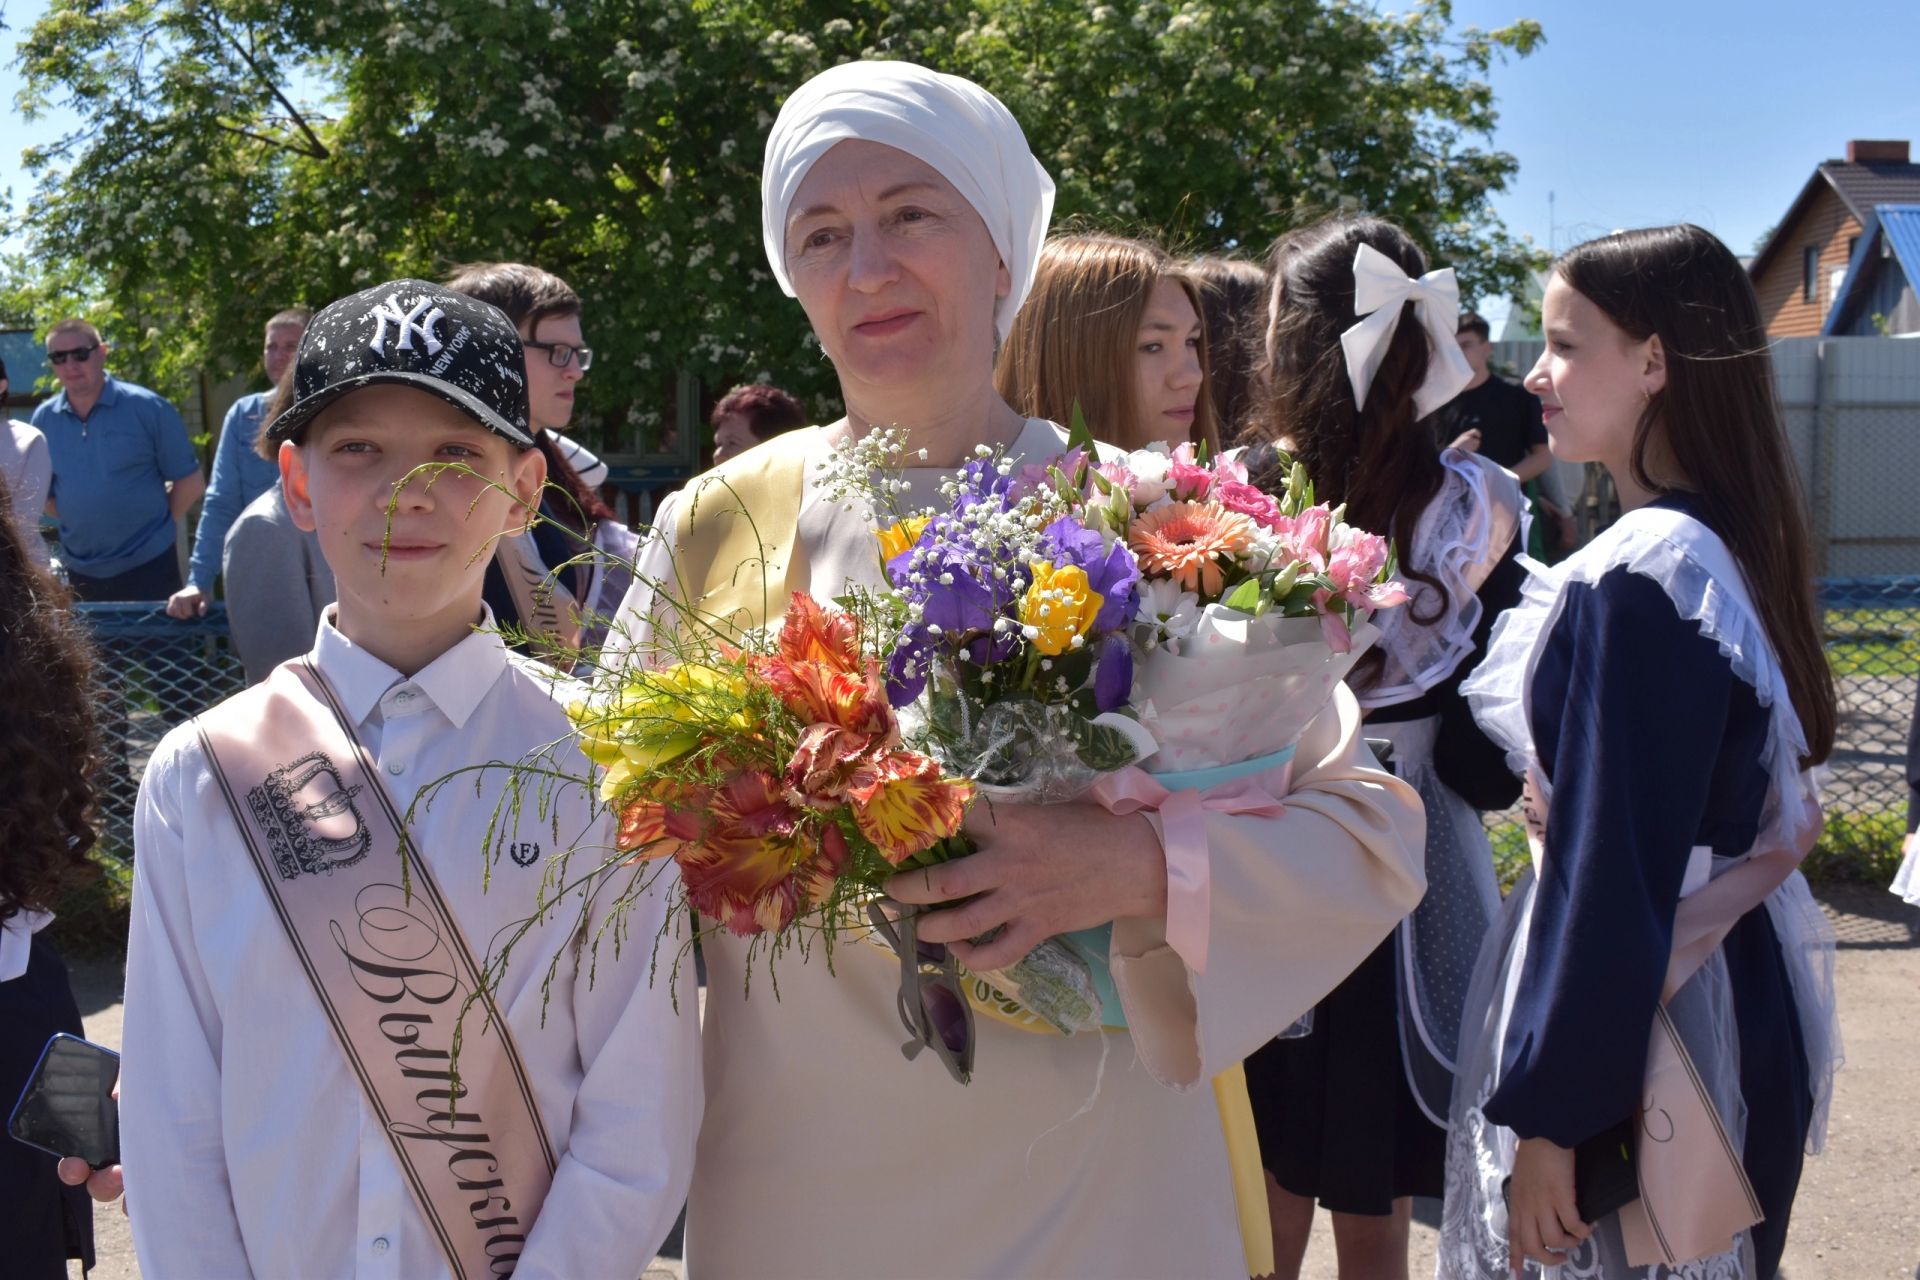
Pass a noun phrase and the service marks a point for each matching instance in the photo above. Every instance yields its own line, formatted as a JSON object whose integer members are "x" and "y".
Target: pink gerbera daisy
{"x": 1185, "y": 541}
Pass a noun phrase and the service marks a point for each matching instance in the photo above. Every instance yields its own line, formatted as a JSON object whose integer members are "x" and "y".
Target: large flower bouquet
{"x": 1012, "y": 663}
{"x": 1040, "y": 629}
{"x": 1253, "y": 605}
{"x": 774, "y": 776}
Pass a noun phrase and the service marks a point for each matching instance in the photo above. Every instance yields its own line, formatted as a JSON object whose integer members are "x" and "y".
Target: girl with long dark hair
{"x": 1359, "y": 349}
{"x": 1666, "y": 695}
{"x": 48, "y": 754}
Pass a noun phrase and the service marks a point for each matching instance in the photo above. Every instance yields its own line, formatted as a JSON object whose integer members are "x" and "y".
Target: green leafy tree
{"x": 237, "y": 156}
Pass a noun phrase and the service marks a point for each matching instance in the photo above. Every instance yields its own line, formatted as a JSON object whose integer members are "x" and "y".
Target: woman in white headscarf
{"x": 905, "y": 212}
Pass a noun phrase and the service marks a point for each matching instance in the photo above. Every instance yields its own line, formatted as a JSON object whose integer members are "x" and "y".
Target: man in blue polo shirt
{"x": 116, "y": 448}
{"x": 240, "y": 474}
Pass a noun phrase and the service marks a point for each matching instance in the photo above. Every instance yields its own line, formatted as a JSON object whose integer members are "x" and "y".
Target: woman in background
{"x": 1113, "y": 326}
{"x": 1233, "y": 309}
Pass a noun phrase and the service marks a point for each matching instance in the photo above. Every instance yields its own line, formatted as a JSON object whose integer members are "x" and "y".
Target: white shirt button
{"x": 379, "y": 1245}
{"x": 395, "y": 768}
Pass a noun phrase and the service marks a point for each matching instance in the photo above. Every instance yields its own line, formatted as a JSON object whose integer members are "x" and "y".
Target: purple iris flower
{"x": 1111, "y": 571}
{"x": 958, "y": 594}
{"x": 1113, "y": 672}
{"x": 981, "y": 481}
{"x": 907, "y": 666}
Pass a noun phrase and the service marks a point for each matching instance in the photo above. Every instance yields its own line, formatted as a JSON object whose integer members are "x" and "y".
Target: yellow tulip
{"x": 900, "y": 537}
{"x": 1059, "y": 607}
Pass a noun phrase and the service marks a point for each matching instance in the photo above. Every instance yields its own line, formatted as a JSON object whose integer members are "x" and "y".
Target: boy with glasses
{"x": 124, "y": 472}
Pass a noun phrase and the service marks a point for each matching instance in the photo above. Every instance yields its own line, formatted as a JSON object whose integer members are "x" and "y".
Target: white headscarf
{"x": 953, "y": 125}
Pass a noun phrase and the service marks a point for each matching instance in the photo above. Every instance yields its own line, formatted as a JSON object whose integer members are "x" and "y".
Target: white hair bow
{"x": 1380, "y": 291}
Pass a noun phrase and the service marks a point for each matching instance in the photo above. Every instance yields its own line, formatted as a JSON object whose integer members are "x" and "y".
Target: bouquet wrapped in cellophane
{"x": 1013, "y": 666}
{"x": 1253, "y": 605}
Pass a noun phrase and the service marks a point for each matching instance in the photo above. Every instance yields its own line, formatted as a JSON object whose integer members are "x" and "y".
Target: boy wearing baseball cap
{"x": 308, "y": 938}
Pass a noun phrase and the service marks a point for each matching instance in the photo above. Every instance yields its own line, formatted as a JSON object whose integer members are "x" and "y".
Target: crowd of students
{"x": 1661, "y": 697}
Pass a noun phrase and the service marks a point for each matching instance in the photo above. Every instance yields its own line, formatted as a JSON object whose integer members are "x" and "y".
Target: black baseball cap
{"x": 415, "y": 334}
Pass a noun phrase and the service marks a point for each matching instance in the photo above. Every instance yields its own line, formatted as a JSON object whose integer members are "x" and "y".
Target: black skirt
{"x": 47, "y": 1221}
{"x": 1337, "y": 1120}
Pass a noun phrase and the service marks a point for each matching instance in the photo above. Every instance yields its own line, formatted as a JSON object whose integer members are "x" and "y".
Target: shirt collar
{"x": 455, "y": 682}
{"x": 109, "y": 393}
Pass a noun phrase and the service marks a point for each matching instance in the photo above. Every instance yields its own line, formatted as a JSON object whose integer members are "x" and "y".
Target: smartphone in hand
{"x": 68, "y": 1108}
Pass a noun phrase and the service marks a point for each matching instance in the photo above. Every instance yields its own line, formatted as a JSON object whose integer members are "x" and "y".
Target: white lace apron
{"x": 1699, "y": 575}
{"x": 1460, "y": 539}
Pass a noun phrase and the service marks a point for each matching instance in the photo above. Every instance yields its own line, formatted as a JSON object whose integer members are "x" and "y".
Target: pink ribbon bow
{"x": 1182, "y": 819}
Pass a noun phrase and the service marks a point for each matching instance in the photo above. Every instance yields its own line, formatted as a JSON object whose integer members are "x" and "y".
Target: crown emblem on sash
{"x": 306, "y": 811}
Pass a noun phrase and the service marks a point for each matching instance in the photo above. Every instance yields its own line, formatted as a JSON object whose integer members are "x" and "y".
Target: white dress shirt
{"x": 248, "y": 1144}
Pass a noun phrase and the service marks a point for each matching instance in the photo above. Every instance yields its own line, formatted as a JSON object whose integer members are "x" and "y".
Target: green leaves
{"x": 1099, "y": 747}
{"x": 1079, "y": 434}
{"x": 238, "y": 156}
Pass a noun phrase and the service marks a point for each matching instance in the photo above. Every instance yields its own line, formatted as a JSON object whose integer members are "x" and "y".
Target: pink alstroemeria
{"x": 1226, "y": 468}
{"x": 1356, "y": 563}
{"x": 1304, "y": 538}
{"x": 1117, "y": 475}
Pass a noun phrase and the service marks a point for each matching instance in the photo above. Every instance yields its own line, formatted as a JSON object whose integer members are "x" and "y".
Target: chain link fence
{"x": 153, "y": 672}
{"x": 1872, "y": 630}
{"x": 156, "y": 672}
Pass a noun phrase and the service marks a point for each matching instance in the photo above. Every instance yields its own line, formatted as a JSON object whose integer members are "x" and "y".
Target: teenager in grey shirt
{"x": 277, "y": 585}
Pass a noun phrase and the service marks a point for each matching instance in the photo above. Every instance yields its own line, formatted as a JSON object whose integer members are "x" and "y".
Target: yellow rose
{"x": 1059, "y": 607}
{"x": 900, "y": 537}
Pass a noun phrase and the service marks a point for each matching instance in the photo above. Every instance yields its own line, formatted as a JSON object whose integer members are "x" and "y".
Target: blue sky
{"x": 1641, "y": 112}
{"x": 1635, "y": 112}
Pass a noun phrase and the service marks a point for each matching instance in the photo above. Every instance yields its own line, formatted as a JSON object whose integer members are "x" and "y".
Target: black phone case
{"x": 66, "y": 1108}
{"x": 1606, "y": 1173}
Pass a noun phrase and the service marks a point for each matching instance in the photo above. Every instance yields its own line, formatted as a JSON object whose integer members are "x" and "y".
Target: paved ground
{"x": 1857, "y": 1216}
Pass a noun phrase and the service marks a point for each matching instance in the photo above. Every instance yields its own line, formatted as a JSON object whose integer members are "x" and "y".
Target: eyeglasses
{"x": 82, "y": 354}
{"x": 562, "y": 354}
{"x": 932, "y": 1004}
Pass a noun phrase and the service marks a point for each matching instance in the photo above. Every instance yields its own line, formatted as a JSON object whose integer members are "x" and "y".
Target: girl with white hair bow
{"x": 904, "y": 210}
{"x": 1360, "y": 351}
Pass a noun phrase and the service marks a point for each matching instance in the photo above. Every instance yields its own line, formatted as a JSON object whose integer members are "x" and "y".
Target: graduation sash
{"x": 548, "y": 611}
{"x": 738, "y": 571}
{"x": 392, "y": 972}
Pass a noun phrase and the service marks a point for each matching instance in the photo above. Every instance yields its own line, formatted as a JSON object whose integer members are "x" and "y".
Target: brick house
{"x": 1798, "y": 271}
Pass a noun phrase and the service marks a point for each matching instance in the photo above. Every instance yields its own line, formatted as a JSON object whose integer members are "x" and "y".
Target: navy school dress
{"x": 1652, "y": 746}
{"x": 46, "y": 1222}
{"x": 1337, "y": 1120}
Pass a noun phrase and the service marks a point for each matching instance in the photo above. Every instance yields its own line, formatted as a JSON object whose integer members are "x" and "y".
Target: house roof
{"x": 1859, "y": 186}
{"x": 1900, "y": 224}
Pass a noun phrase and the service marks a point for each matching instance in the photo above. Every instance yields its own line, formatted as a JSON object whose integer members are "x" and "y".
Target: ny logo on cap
{"x": 407, "y": 324}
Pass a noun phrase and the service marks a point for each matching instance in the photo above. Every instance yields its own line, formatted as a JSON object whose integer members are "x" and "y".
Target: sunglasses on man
{"x": 932, "y": 1003}
{"x": 82, "y": 354}
{"x": 561, "y": 354}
